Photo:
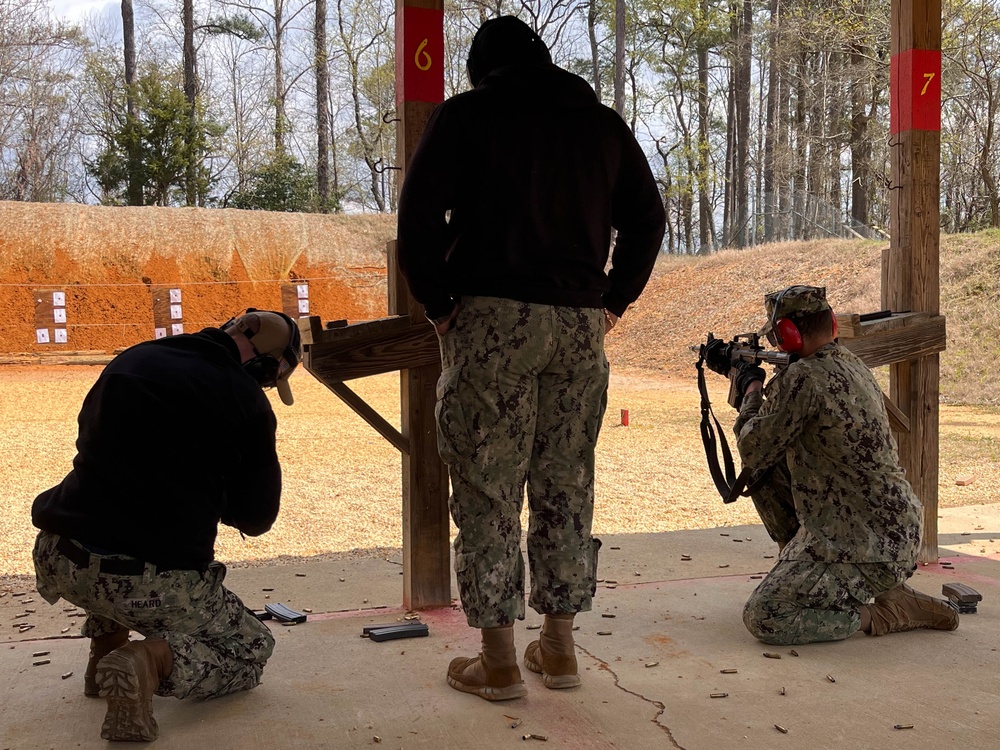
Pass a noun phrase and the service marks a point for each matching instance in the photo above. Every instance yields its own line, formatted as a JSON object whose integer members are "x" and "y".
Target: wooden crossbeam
{"x": 369, "y": 348}
{"x": 919, "y": 335}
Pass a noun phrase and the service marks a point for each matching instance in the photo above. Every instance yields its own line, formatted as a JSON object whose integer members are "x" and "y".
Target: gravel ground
{"x": 342, "y": 480}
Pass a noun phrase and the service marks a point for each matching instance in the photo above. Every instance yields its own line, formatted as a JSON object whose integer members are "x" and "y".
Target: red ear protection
{"x": 787, "y": 336}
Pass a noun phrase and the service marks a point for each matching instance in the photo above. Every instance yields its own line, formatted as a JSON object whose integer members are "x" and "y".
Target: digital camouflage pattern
{"x": 218, "y": 646}
{"x": 824, "y": 416}
{"x": 775, "y": 504}
{"x": 521, "y": 397}
{"x": 811, "y": 602}
{"x": 838, "y": 502}
{"x": 793, "y": 302}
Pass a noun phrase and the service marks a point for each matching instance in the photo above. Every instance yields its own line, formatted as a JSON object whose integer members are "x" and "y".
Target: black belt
{"x": 115, "y": 566}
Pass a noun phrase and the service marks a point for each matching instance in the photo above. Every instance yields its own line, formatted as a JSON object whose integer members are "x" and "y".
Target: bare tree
{"x": 322, "y": 103}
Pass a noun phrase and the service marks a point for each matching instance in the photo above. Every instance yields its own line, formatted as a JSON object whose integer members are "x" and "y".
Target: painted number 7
{"x": 929, "y": 77}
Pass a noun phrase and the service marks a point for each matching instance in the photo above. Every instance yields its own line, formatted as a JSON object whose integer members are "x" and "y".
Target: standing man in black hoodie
{"x": 505, "y": 229}
{"x": 129, "y": 534}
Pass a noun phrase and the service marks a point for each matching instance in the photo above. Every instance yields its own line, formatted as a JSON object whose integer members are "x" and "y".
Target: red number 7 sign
{"x": 915, "y": 91}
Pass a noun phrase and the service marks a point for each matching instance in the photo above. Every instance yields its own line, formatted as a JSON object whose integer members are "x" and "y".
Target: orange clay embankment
{"x": 107, "y": 260}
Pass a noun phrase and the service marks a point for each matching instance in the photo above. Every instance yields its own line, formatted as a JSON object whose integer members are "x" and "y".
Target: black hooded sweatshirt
{"x": 535, "y": 173}
{"x": 174, "y": 437}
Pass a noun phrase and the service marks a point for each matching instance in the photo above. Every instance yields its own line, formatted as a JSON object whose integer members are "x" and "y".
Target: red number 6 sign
{"x": 419, "y": 55}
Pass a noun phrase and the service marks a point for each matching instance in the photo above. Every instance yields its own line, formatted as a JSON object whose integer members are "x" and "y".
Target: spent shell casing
{"x": 40, "y": 662}
{"x": 727, "y": 671}
{"x": 902, "y": 726}
{"x": 830, "y": 678}
{"x": 541, "y": 737}
{"x": 771, "y": 655}
{"x": 604, "y": 632}
{"x": 651, "y": 664}
{"x": 532, "y": 627}
{"x": 781, "y": 728}
{"x": 67, "y": 675}
{"x": 718, "y": 695}
{"x": 36, "y": 654}
{"x": 782, "y": 691}
{"x": 793, "y": 652}
{"x": 607, "y": 614}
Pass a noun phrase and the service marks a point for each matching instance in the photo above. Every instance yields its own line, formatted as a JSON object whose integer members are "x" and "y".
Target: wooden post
{"x": 426, "y": 531}
{"x": 910, "y": 271}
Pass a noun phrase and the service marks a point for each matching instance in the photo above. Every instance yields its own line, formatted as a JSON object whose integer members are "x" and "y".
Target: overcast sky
{"x": 74, "y": 10}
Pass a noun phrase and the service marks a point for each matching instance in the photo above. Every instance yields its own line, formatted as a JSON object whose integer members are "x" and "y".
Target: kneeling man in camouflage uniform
{"x": 175, "y": 435}
{"x": 845, "y": 519}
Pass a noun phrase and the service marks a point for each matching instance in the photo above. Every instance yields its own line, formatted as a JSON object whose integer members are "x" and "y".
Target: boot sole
{"x": 510, "y": 692}
{"x": 554, "y": 681}
{"x": 129, "y": 716}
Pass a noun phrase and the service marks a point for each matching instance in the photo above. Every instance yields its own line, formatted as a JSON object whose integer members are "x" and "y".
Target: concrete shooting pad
{"x": 651, "y": 654}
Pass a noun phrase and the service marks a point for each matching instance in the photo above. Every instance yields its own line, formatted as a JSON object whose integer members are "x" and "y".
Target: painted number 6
{"x": 425, "y": 62}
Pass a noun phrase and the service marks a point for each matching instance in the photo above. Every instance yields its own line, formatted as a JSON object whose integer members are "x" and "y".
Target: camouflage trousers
{"x": 775, "y": 505}
{"x": 520, "y": 401}
{"x": 803, "y": 601}
{"x": 218, "y": 646}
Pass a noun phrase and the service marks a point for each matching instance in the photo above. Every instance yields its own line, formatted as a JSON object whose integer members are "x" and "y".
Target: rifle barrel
{"x": 756, "y": 356}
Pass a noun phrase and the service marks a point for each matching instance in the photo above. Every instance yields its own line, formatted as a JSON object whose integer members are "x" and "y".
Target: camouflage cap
{"x": 794, "y": 302}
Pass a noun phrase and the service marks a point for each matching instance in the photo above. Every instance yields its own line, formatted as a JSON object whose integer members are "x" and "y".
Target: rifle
{"x": 724, "y": 357}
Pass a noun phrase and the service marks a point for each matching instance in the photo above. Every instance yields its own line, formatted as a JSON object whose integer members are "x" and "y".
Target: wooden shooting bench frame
{"x": 908, "y": 342}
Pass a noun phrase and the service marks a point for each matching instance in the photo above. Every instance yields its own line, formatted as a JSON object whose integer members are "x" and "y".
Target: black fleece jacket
{"x": 535, "y": 173}
{"x": 174, "y": 437}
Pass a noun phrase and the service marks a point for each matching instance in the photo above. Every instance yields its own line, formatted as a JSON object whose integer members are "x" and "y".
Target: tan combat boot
{"x": 99, "y": 648}
{"x": 902, "y": 608}
{"x": 553, "y": 655}
{"x": 127, "y": 678}
{"x": 493, "y": 674}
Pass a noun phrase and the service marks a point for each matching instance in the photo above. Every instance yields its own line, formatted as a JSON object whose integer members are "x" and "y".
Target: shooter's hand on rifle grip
{"x": 747, "y": 374}
{"x": 717, "y": 356}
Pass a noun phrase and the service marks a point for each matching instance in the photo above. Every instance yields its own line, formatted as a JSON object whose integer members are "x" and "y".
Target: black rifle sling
{"x": 730, "y": 486}
{"x": 723, "y": 482}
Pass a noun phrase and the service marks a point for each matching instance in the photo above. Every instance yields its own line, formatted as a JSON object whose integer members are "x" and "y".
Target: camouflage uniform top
{"x": 824, "y": 415}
